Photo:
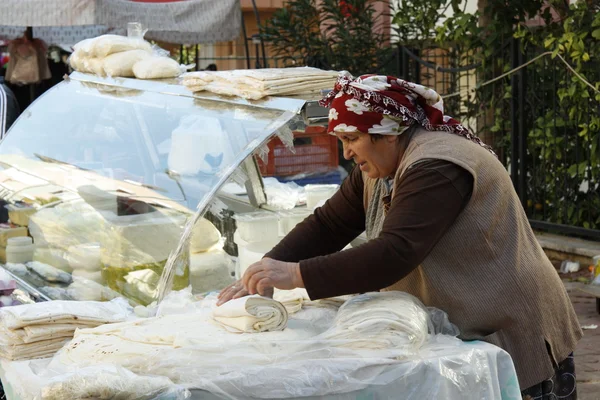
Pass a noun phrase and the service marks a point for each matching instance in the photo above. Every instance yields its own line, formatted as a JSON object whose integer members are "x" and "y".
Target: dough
{"x": 204, "y": 236}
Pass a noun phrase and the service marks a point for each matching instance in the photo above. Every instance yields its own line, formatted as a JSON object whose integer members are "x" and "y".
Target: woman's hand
{"x": 263, "y": 276}
{"x": 233, "y": 291}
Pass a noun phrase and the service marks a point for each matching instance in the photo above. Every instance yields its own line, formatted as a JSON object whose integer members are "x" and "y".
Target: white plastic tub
{"x": 19, "y": 215}
{"x": 257, "y": 226}
{"x": 318, "y": 193}
{"x": 251, "y": 252}
{"x": 7, "y": 232}
{"x": 288, "y": 219}
{"x": 19, "y": 250}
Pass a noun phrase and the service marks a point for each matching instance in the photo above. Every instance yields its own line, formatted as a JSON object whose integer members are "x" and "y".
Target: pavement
{"x": 587, "y": 353}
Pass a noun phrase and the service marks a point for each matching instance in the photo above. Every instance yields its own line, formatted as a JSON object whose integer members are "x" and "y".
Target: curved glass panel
{"x": 103, "y": 178}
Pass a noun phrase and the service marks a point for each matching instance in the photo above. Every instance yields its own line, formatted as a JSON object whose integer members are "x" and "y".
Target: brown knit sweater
{"x": 428, "y": 199}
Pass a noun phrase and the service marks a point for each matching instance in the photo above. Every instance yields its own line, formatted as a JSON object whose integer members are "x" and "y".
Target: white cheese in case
{"x": 134, "y": 240}
{"x": 210, "y": 270}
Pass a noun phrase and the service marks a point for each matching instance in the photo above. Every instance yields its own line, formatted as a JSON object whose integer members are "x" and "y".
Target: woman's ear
{"x": 390, "y": 138}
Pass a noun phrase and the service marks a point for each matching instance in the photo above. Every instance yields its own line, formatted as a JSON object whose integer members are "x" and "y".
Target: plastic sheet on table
{"x": 299, "y": 362}
{"x": 110, "y": 382}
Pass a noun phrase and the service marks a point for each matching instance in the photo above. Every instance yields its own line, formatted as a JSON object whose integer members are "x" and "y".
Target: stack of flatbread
{"x": 40, "y": 330}
{"x": 256, "y": 84}
{"x": 386, "y": 320}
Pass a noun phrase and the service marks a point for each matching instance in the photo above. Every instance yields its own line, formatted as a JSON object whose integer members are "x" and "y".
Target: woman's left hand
{"x": 261, "y": 277}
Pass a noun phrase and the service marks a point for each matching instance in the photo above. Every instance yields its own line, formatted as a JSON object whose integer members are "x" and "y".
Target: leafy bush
{"x": 332, "y": 34}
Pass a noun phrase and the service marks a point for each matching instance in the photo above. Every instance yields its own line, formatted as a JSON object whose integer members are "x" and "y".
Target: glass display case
{"x": 99, "y": 177}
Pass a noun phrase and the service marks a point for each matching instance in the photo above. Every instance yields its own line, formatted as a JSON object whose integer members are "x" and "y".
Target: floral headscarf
{"x": 378, "y": 104}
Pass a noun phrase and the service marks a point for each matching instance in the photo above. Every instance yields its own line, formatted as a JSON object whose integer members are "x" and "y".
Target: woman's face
{"x": 377, "y": 158}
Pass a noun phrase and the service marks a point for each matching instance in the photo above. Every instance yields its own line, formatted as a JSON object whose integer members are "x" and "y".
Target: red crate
{"x": 316, "y": 152}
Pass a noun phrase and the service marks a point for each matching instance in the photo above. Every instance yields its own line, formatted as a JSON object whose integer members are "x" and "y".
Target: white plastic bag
{"x": 105, "y": 45}
{"x": 121, "y": 64}
{"x": 156, "y": 67}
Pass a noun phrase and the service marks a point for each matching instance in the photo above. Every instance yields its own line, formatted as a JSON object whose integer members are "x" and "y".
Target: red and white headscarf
{"x": 378, "y": 104}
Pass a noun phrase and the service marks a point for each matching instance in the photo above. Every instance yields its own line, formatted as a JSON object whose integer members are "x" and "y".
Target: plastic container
{"x": 317, "y": 193}
{"x": 19, "y": 250}
{"x": 7, "y": 232}
{"x": 288, "y": 219}
{"x": 19, "y": 215}
{"x": 250, "y": 252}
{"x": 257, "y": 226}
{"x": 315, "y": 152}
{"x": 253, "y": 252}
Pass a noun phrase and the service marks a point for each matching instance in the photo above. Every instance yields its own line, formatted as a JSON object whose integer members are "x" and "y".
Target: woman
{"x": 443, "y": 223}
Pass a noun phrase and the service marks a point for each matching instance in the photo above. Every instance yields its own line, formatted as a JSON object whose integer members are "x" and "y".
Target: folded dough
{"x": 292, "y": 300}
{"x": 64, "y": 311}
{"x": 252, "y": 314}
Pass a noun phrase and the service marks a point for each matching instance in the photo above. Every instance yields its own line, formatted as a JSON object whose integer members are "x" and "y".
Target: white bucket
{"x": 288, "y": 219}
{"x": 318, "y": 193}
{"x": 257, "y": 226}
{"x": 251, "y": 252}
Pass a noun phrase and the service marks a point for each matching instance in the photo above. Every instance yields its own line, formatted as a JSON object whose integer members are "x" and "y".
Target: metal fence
{"x": 239, "y": 54}
{"x": 550, "y": 152}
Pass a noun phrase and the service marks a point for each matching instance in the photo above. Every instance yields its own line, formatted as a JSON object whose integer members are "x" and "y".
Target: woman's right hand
{"x": 233, "y": 291}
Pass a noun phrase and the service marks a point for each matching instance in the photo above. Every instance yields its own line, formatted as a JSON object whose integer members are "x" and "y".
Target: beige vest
{"x": 488, "y": 272}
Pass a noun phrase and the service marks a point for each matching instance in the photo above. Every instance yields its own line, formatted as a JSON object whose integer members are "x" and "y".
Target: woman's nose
{"x": 347, "y": 153}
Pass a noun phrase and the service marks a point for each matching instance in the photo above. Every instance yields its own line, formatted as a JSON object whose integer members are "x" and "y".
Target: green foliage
{"x": 415, "y": 21}
{"x": 331, "y": 34}
{"x": 561, "y": 115}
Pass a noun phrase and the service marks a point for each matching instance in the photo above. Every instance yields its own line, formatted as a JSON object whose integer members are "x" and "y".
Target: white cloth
{"x": 252, "y": 314}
